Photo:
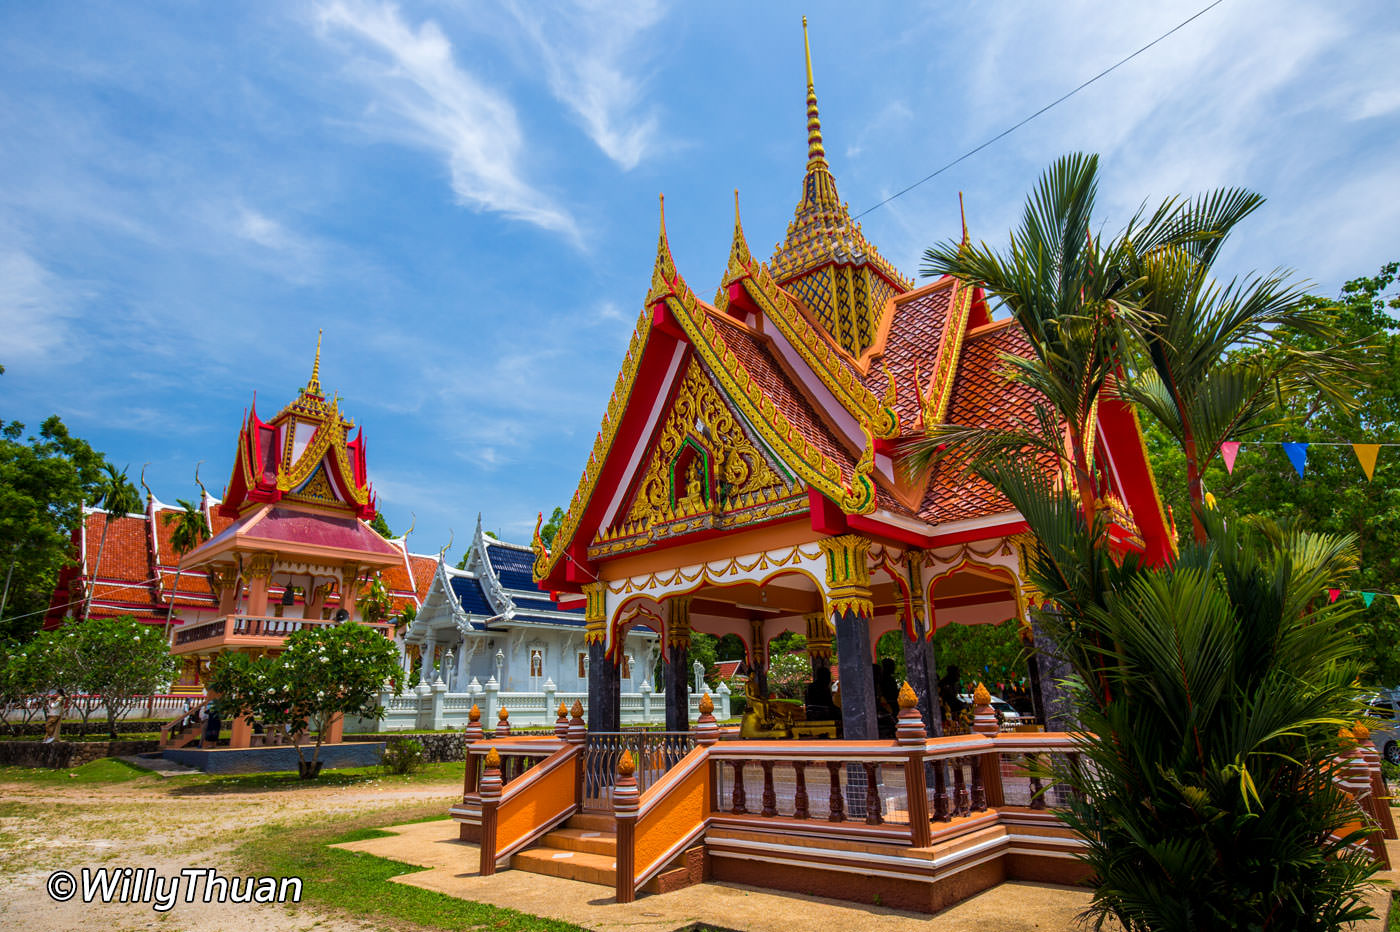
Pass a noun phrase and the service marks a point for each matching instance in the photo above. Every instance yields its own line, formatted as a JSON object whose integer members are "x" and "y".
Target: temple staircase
{"x": 585, "y": 848}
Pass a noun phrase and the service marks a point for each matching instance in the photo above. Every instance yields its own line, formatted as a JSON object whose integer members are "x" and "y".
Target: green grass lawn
{"x": 359, "y": 883}
{"x": 111, "y": 770}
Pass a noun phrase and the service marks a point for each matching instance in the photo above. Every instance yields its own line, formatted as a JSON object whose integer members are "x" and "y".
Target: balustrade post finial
{"x": 984, "y": 717}
{"x": 561, "y": 724}
{"x": 578, "y": 731}
{"x": 474, "y": 732}
{"x": 910, "y": 730}
{"x": 625, "y": 804}
{"x": 706, "y": 728}
{"x": 503, "y": 723}
{"x": 490, "y": 792}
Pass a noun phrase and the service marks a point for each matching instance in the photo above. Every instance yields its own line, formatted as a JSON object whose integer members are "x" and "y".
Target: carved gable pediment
{"x": 704, "y": 469}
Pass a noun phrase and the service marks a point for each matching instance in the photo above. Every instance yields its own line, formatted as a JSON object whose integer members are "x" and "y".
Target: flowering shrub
{"x": 322, "y": 672}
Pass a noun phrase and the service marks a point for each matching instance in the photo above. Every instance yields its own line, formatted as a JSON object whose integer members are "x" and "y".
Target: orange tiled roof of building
{"x": 138, "y": 571}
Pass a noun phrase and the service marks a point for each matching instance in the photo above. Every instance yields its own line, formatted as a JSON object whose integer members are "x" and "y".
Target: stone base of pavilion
{"x": 276, "y": 759}
{"x": 716, "y": 903}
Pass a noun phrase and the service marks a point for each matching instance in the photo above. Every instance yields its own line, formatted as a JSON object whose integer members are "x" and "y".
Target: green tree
{"x": 118, "y": 497}
{"x": 108, "y": 663}
{"x": 374, "y": 603}
{"x": 322, "y": 672}
{"x": 381, "y": 527}
{"x": 1333, "y": 495}
{"x": 191, "y": 528}
{"x": 987, "y": 654}
{"x": 551, "y": 527}
{"x": 789, "y": 675}
{"x": 26, "y": 674}
{"x": 44, "y": 481}
{"x": 1222, "y": 363}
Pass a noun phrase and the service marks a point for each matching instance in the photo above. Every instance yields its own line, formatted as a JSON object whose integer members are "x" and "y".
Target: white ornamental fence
{"x": 433, "y": 707}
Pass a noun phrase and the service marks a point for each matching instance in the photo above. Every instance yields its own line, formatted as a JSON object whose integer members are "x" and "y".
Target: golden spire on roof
{"x": 816, "y": 155}
{"x": 825, "y": 259}
{"x": 314, "y": 386}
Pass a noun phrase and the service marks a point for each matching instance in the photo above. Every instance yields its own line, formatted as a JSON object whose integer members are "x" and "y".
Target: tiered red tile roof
{"x": 138, "y": 570}
{"x": 830, "y": 390}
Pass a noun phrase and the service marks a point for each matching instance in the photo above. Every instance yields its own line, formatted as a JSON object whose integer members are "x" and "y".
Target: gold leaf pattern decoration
{"x": 699, "y": 417}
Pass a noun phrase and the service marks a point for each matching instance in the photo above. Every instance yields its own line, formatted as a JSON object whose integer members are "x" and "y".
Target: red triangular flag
{"x": 1332, "y": 594}
{"x": 1228, "y": 451}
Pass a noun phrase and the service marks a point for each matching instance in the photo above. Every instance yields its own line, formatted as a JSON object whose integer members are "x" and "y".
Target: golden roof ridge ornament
{"x": 313, "y": 387}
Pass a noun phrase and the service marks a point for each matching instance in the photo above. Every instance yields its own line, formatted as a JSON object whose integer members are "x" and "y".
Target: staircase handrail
{"x": 671, "y": 814}
{"x": 530, "y": 806}
{"x": 170, "y": 725}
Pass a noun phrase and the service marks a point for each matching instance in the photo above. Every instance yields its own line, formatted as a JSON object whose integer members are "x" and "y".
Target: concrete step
{"x": 592, "y": 822}
{"x": 579, "y": 839}
{"x": 571, "y": 865}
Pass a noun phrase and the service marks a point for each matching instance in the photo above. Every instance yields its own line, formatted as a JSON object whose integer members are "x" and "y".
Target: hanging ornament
{"x": 1228, "y": 451}
{"x": 1366, "y": 454}
{"x": 1298, "y": 456}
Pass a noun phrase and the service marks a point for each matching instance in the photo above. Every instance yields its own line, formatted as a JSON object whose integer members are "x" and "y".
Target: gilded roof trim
{"x": 858, "y": 496}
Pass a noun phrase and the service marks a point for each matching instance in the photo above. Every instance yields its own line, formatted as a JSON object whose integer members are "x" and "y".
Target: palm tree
{"x": 1215, "y": 370}
{"x": 191, "y": 528}
{"x": 1210, "y": 695}
{"x": 1080, "y": 299}
{"x": 119, "y": 497}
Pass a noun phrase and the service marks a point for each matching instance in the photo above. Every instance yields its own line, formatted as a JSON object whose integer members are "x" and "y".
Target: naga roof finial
{"x": 314, "y": 386}
{"x": 816, "y": 155}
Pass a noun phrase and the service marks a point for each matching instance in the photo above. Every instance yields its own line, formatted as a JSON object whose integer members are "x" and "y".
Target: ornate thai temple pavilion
{"x": 743, "y": 481}
{"x": 295, "y": 549}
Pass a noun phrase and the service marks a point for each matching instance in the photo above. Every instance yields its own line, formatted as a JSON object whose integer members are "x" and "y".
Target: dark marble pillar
{"x": 604, "y": 691}
{"x": 677, "y": 689}
{"x": 857, "y": 683}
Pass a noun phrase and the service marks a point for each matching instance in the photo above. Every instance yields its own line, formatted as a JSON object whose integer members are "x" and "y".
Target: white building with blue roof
{"x": 486, "y": 636}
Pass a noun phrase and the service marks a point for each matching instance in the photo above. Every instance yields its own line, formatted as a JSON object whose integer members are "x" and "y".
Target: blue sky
{"x": 464, "y": 195}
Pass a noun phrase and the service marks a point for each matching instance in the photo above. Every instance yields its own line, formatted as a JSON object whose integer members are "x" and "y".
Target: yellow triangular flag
{"x": 1366, "y": 454}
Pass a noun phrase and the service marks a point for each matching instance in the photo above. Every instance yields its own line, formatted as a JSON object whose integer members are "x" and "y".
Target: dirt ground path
{"x": 159, "y": 824}
{"x": 156, "y": 823}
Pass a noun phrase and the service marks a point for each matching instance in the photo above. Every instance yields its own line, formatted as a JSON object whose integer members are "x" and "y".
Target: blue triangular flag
{"x": 1367, "y": 598}
{"x": 1298, "y": 455}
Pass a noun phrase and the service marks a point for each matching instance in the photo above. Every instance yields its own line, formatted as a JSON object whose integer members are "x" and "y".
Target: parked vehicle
{"x": 1005, "y": 710}
{"x": 1385, "y": 708}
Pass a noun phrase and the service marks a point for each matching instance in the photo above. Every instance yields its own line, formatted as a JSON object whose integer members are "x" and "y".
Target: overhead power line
{"x": 1059, "y": 100}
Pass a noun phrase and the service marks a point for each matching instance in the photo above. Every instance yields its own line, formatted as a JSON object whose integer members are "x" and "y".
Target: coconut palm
{"x": 1210, "y": 693}
{"x": 190, "y": 529}
{"x": 118, "y": 497}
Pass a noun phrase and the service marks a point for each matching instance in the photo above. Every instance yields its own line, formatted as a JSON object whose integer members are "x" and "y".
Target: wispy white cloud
{"x": 33, "y": 311}
{"x": 421, "y": 96}
{"x": 591, "y": 52}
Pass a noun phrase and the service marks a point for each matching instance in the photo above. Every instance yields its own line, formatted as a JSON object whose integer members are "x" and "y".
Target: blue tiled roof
{"x": 513, "y": 567}
{"x": 543, "y": 603}
{"x": 570, "y": 620}
{"x": 468, "y": 591}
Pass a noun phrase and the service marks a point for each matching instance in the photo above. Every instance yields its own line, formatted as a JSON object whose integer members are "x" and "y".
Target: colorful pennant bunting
{"x": 1367, "y": 598}
{"x": 1228, "y": 451}
{"x": 1333, "y": 595}
{"x": 1366, "y": 455}
{"x": 1297, "y": 455}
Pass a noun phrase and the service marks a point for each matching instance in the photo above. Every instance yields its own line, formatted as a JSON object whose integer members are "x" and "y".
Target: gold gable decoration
{"x": 734, "y": 466}
{"x": 318, "y": 490}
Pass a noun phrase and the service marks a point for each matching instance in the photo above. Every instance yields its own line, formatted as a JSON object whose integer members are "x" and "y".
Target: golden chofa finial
{"x": 816, "y": 155}
{"x": 314, "y": 386}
